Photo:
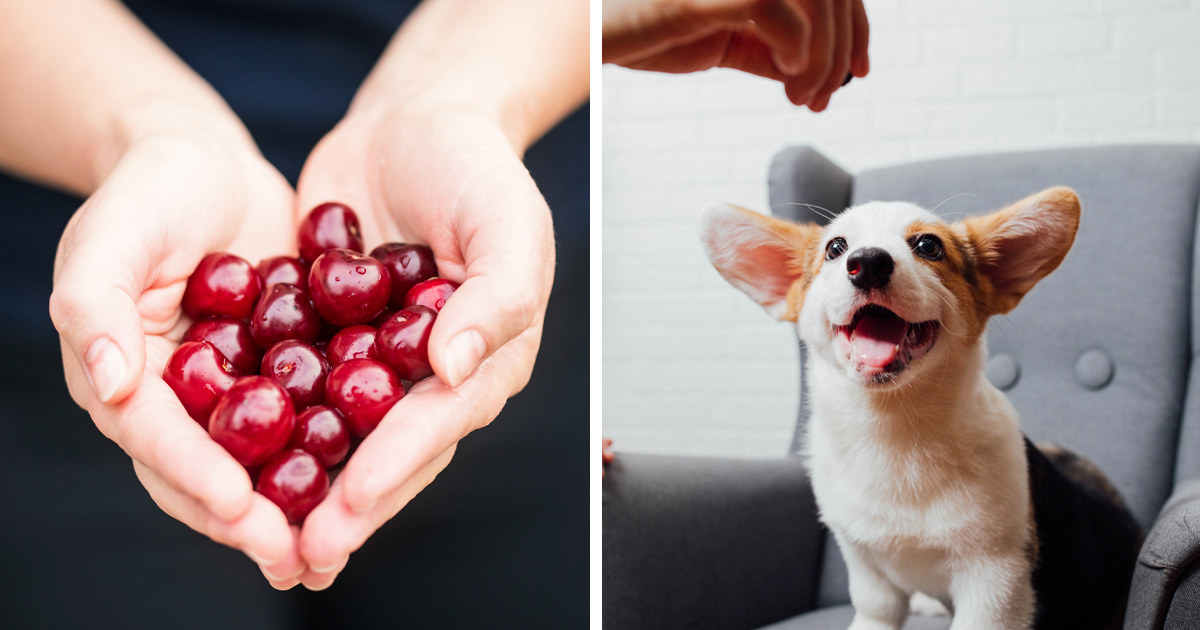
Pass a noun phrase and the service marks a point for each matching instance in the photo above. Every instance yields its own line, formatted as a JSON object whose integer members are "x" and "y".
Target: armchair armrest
{"x": 707, "y": 543}
{"x": 1166, "y": 583}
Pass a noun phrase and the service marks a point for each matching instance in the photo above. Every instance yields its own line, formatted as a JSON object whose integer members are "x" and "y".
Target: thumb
{"x": 94, "y": 308}
{"x": 509, "y": 271}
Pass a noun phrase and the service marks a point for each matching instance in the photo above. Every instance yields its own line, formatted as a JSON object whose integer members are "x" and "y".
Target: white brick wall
{"x": 691, "y": 366}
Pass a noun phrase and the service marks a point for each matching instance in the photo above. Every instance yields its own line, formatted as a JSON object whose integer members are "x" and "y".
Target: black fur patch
{"x": 1087, "y": 544}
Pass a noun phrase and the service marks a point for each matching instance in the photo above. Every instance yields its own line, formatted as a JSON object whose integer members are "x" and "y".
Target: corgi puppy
{"x": 918, "y": 463}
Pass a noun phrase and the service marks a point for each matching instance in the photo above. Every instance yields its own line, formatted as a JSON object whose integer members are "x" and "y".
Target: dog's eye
{"x": 835, "y": 248}
{"x": 927, "y": 246}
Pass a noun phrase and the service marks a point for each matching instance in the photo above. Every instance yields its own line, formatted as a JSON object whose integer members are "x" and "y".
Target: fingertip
{"x": 462, "y": 356}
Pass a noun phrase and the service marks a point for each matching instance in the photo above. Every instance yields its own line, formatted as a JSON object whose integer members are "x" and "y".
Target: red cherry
{"x": 222, "y": 285}
{"x": 353, "y": 342}
{"x": 283, "y": 269}
{"x": 321, "y": 432}
{"x": 295, "y": 481}
{"x": 403, "y": 342}
{"x": 329, "y": 226}
{"x": 348, "y": 288}
{"x": 300, "y": 368}
{"x": 383, "y": 317}
{"x": 254, "y": 420}
{"x": 199, "y": 375}
{"x": 232, "y": 337}
{"x": 407, "y": 265}
{"x": 284, "y": 312}
{"x": 363, "y": 390}
{"x": 431, "y": 293}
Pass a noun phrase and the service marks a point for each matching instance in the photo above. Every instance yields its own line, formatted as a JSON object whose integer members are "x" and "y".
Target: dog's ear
{"x": 1019, "y": 245}
{"x": 762, "y": 256}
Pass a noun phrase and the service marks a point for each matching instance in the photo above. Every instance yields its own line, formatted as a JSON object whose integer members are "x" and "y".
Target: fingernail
{"x": 463, "y": 354}
{"x": 259, "y": 561}
{"x": 331, "y": 568}
{"x": 106, "y": 367}
{"x": 279, "y": 578}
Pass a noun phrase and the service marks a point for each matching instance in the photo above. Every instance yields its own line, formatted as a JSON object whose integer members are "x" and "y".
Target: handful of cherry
{"x": 287, "y": 363}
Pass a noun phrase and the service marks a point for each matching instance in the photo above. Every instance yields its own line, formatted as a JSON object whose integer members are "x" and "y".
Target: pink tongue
{"x": 875, "y": 340}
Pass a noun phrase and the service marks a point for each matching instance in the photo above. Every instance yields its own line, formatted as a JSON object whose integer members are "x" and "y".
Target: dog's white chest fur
{"x": 914, "y": 499}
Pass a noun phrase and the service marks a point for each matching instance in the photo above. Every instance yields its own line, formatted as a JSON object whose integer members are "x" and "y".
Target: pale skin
{"x": 430, "y": 151}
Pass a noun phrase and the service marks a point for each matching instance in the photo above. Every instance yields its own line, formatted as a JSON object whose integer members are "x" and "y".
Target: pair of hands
{"x": 811, "y": 46}
{"x": 419, "y": 173}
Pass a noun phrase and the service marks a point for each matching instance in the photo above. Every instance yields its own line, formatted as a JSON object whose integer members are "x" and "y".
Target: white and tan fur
{"x": 921, "y": 476}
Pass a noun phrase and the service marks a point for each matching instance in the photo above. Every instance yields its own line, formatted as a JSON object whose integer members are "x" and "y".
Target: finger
{"x": 319, "y": 581}
{"x": 288, "y": 570}
{"x": 94, "y": 309}
{"x": 332, "y": 531}
{"x": 803, "y": 87}
{"x": 430, "y": 419}
{"x": 861, "y": 61}
{"x": 786, "y": 31}
{"x": 508, "y": 250}
{"x": 153, "y": 428}
{"x": 261, "y": 533}
{"x": 840, "y": 68}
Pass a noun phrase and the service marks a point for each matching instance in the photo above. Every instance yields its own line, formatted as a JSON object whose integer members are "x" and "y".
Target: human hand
{"x": 120, "y": 272}
{"x": 448, "y": 178}
{"x": 811, "y": 46}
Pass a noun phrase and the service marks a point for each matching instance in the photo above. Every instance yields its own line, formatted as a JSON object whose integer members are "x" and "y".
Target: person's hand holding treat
{"x": 811, "y": 46}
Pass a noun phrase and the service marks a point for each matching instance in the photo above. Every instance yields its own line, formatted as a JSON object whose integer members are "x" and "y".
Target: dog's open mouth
{"x": 880, "y": 344}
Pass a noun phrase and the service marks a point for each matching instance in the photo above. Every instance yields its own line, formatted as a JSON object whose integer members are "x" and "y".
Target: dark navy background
{"x": 500, "y": 539}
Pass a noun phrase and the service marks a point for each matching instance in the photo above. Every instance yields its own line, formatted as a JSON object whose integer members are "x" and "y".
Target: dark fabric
{"x": 1171, "y": 550}
{"x": 839, "y": 617}
{"x": 707, "y": 543}
{"x": 1184, "y": 612}
{"x": 1087, "y": 548}
{"x": 500, "y": 539}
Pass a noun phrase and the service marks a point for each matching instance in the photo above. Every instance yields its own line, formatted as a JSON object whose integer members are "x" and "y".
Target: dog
{"x": 918, "y": 463}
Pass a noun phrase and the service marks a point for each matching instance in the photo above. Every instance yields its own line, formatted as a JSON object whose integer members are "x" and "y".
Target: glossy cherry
{"x": 352, "y": 342}
{"x": 329, "y": 226}
{"x": 295, "y": 481}
{"x": 362, "y": 390}
{"x": 382, "y": 318}
{"x": 348, "y": 288}
{"x": 431, "y": 293}
{"x": 232, "y": 337}
{"x": 284, "y": 269}
{"x": 284, "y": 312}
{"x": 199, "y": 374}
{"x": 321, "y": 432}
{"x": 254, "y": 420}
{"x": 300, "y": 368}
{"x": 222, "y": 285}
{"x": 403, "y": 342}
{"x": 407, "y": 265}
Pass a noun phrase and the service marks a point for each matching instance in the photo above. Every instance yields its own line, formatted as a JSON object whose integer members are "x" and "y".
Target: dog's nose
{"x": 870, "y": 268}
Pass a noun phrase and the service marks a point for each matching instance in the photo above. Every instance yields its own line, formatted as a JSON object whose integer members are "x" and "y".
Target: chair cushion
{"x": 839, "y": 618}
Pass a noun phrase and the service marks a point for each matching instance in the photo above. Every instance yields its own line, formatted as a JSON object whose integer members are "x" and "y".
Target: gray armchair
{"x": 1103, "y": 357}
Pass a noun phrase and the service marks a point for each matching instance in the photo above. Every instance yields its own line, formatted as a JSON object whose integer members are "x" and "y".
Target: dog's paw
{"x": 922, "y": 604}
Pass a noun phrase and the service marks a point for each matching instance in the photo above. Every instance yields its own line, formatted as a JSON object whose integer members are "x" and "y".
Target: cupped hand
{"x": 121, "y": 268}
{"x": 811, "y": 46}
{"x": 450, "y": 179}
